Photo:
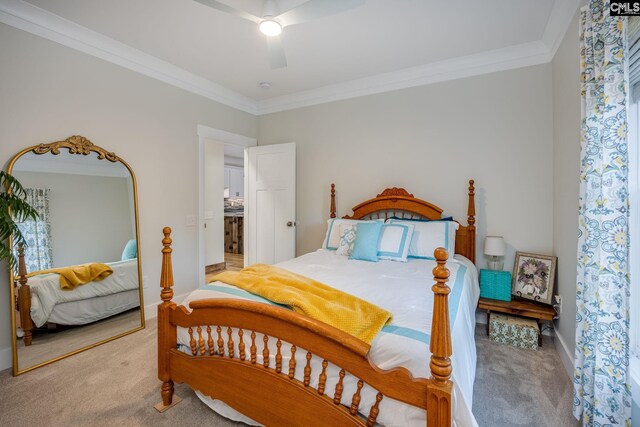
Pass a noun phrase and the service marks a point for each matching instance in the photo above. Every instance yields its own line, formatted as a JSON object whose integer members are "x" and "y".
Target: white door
{"x": 270, "y": 203}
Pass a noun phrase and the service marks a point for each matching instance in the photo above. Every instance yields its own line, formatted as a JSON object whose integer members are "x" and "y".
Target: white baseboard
{"x": 565, "y": 355}
{"x": 481, "y": 318}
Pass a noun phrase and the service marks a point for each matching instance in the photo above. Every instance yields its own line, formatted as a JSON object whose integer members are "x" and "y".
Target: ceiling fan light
{"x": 271, "y": 28}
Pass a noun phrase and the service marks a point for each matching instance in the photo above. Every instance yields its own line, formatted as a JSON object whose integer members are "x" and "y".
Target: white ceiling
{"x": 381, "y": 37}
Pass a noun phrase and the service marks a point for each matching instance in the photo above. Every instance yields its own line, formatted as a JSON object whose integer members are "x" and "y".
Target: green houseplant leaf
{"x": 13, "y": 209}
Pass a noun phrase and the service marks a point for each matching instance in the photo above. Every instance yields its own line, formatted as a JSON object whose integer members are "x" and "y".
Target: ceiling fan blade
{"x": 275, "y": 51}
{"x": 315, "y": 9}
{"x": 228, "y": 9}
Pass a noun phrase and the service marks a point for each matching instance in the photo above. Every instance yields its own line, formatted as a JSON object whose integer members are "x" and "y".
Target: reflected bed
{"x": 87, "y": 303}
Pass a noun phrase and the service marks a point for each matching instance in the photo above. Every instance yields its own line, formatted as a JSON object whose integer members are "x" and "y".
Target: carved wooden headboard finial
{"x": 471, "y": 210}
{"x": 333, "y": 201}
{"x": 471, "y": 222}
{"x": 395, "y": 191}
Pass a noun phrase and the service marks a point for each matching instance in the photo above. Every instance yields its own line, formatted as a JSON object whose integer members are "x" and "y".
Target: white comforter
{"x": 405, "y": 290}
{"x": 46, "y": 292}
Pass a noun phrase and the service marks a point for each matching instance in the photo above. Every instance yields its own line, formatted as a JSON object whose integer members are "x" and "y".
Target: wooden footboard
{"x": 269, "y": 392}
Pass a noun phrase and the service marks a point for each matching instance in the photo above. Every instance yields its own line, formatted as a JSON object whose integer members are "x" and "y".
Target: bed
{"x": 233, "y": 347}
{"x": 40, "y": 300}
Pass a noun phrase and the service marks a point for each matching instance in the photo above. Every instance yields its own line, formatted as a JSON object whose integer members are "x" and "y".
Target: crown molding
{"x": 522, "y": 55}
{"x": 35, "y": 20}
{"x": 559, "y": 21}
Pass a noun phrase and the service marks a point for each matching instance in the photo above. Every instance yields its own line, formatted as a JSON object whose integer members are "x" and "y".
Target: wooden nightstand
{"x": 522, "y": 308}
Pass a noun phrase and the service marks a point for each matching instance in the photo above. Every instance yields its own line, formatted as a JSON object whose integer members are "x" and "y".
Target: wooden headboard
{"x": 400, "y": 203}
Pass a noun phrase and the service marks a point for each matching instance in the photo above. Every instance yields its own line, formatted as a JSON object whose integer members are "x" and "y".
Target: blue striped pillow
{"x": 428, "y": 236}
{"x": 395, "y": 242}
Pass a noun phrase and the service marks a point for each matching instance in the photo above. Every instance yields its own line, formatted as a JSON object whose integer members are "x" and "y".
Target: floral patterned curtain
{"x": 37, "y": 234}
{"x": 602, "y": 395}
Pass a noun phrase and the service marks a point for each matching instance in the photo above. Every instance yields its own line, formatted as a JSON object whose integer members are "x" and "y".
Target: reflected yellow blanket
{"x": 76, "y": 275}
{"x": 350, "y": 314}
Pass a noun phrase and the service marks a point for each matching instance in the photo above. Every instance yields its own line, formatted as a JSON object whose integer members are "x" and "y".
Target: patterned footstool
{"x": 515, "y": 331}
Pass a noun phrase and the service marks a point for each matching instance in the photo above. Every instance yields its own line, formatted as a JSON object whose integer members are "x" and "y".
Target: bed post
{"x": 167, "y": 333}
{"x": 333, "y": 201}
{"x": 440, "y": 387}
{"x": 471, "y": 222}
{"x": 24, "y": 298}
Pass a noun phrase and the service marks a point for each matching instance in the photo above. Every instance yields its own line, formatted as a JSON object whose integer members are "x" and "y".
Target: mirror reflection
{"x": 82, "y": 284}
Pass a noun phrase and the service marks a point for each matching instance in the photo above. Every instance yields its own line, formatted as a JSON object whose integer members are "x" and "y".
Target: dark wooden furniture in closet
{"x": 233, "y": 234}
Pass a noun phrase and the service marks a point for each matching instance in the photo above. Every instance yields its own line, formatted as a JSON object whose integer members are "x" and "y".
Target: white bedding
{"x": 405, "y": 290}
{"x": 46, "y": 292}
{"x": 93, "y": 309}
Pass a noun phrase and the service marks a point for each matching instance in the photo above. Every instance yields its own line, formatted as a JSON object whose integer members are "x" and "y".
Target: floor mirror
{"x": 78, "y": 280}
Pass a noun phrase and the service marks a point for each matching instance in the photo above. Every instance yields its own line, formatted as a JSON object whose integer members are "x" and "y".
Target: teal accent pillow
{"x": 130, "y": 250}
{"x": 365, "y": 247}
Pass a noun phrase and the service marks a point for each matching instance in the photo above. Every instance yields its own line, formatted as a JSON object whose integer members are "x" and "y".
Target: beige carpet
{"x": 516, "y": 387}
{"x": 116, "y": 385}
{"x": 111, "y": 385}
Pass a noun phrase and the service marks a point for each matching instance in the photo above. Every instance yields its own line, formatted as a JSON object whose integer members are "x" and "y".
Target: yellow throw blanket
{"x": 76, "y": 275}
{"x": 352, "y": 315}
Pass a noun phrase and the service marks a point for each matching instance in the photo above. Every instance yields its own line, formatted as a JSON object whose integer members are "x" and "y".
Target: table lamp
{"x": 494, "y": 249}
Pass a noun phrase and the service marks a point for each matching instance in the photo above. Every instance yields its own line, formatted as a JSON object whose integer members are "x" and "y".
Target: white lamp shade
{"x": 494, "y": 246}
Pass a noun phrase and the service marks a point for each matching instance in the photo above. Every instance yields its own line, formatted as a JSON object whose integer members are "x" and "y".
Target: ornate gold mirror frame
{"x": 79, "y": 145}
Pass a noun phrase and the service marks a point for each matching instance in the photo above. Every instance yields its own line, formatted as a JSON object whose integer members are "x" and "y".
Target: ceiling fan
{"x": 271, "y": 23}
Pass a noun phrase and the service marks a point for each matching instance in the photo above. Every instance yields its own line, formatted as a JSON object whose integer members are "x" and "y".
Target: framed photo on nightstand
{"x": 534, "y": 277}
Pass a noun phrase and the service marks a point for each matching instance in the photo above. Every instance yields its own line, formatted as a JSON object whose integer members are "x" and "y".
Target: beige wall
{"x": 495, "y": 128}
{"x": 90, "y": 216}
{"x": 49, "y": 92}
{"x": 566, "y": 172}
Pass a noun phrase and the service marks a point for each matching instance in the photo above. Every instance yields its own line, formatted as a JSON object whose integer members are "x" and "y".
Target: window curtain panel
{"x": 602, "y": 394}
{"x": 38, "y": 254}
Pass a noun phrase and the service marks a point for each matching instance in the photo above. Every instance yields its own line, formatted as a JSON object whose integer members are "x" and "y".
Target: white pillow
{"x": 395, "y": 241}
{"x": 332, "y": 237}
{"x": 428, "y": 236}
{"x": 347, "y": 239}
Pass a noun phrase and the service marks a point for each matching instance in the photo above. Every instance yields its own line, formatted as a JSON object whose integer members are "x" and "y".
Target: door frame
{"x": 225, "y": 137}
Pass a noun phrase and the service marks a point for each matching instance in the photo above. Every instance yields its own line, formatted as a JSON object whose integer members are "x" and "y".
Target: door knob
{"x": 291, "y": 223}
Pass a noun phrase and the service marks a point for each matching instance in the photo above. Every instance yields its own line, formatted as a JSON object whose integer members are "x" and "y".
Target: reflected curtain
{"x": 37, "y": 234}
{"x": 602, "y": 394}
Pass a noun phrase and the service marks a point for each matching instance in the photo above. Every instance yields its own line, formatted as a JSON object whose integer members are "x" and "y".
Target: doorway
{"x": 234, "y": 207}
{"x": 221, "y": 201}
